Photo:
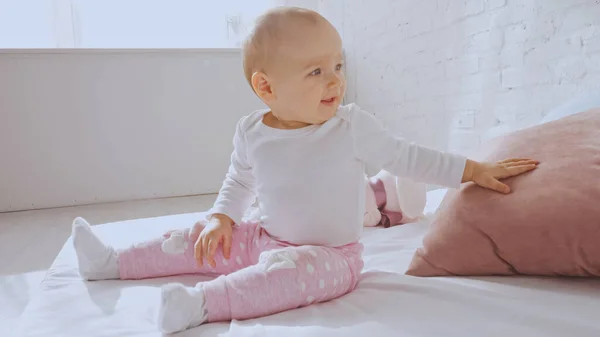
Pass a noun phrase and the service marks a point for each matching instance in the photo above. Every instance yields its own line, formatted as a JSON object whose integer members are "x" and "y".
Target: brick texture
{"x": 452, "y": 73}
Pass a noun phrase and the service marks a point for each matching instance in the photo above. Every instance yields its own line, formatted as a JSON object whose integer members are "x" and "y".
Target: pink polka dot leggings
{"x": 262, "y": 276}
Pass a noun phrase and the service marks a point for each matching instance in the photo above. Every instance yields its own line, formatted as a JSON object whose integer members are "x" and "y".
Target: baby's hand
{"x": 487, "y": 174}
{"x": 218, "y": 230}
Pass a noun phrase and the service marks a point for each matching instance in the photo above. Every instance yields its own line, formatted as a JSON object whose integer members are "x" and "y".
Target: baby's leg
{"x": 170, "y": 254}
{"x": 284, "y": 279}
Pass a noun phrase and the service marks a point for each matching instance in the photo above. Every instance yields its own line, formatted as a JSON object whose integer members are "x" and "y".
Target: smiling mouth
{"x": 329, "y": 101}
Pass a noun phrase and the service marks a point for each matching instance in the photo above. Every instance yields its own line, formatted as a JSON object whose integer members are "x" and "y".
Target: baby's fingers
{"x": 211, "y": 248}
{"x": 198, "y": 251}
{"x": 517, "y": 161}
{"x": 516, "y": 170}
{"x": 227, "y": 245}
{"x": 521, "y": 163}
{"x": 495, "y": 185}
{"x": 512, "y": 160}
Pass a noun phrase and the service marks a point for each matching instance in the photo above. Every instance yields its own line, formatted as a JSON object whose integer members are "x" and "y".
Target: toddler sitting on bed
{"x": 304, "y": 159}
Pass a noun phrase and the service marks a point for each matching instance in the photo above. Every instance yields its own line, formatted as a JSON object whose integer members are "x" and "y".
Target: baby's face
{"x": 307, "y": 79}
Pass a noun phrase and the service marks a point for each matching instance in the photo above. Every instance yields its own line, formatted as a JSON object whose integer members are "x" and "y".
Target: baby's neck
{"x": 270, "y": 120}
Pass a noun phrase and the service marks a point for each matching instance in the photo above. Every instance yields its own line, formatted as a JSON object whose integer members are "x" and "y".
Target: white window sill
{"x": 117, "y": 50}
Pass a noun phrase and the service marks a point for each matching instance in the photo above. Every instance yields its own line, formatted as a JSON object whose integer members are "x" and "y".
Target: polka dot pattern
{"x": 316, "y": 274}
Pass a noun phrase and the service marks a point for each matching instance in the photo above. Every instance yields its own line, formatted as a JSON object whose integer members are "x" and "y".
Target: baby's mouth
{"x": 329, "y": 101}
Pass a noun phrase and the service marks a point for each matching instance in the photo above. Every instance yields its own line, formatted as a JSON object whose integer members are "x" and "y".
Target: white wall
{"x": 79, "y": 127}
{"x": 441, "y": 72}
{"x": 449, "y": 73}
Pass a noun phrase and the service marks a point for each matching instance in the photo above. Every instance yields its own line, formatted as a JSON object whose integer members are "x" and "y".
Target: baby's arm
{"x": 375, "y": 145}
{"x": 236, "y": 195}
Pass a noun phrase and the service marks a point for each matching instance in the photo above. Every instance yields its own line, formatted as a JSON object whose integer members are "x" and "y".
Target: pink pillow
{"x": 548, "y": 226}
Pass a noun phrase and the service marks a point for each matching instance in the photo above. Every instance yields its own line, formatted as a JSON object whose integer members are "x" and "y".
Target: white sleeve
{"x": 238, "y": 191}
{"x": 376, "y": 146}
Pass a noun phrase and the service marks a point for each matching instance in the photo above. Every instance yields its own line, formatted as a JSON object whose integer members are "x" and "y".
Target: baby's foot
{"x": 404, "y": 197}
{"x": 97, "y": 261}
{"x": 181, "y": 308}
{"x": 372, "y": 215}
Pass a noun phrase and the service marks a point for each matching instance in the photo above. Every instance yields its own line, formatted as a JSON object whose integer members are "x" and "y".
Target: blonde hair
{"x": 260, "y": 44}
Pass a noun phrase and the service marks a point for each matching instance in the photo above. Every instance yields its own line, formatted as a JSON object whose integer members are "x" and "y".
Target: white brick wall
{"x": 450, "y": 73}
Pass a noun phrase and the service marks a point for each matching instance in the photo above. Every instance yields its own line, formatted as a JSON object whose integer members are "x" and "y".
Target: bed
{"x": 386, "y": 303}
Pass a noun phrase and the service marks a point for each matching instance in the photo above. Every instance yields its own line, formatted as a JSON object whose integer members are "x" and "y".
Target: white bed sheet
{"x": 386, "y": 303}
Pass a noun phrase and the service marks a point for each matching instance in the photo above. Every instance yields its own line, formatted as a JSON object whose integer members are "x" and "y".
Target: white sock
{"x": 97, "y": 261}
{"x": 181, "y": 308}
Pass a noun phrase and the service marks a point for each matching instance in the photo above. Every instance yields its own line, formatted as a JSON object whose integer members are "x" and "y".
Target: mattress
{"x": 386, "y": 302}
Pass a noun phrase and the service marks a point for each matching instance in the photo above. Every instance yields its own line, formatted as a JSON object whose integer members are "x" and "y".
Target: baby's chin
{"x": 328, "y": 111}
{"x": 322, "y": 115}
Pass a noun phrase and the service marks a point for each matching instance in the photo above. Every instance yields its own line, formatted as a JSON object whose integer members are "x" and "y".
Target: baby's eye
{"x": 316, "y": 72}
{"x": 339, "y": 67}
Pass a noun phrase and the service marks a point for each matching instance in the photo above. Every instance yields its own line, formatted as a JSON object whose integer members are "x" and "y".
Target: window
{"x": 27, "y": 24}
{"x": 127, "y": 23}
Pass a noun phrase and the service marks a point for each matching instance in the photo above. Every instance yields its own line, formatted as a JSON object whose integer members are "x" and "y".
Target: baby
{"x": 304, "y": 160}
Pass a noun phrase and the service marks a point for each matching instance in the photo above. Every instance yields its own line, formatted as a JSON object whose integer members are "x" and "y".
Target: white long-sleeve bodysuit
{"x": 310, "y": 181}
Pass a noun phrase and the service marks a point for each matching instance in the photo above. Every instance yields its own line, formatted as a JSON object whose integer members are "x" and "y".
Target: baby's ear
{"x": 262, "y": 86}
